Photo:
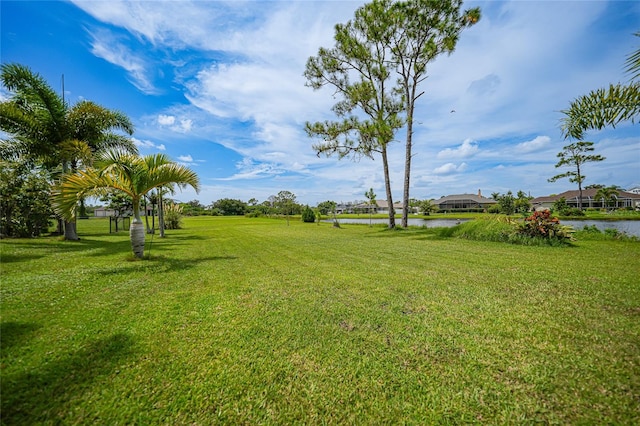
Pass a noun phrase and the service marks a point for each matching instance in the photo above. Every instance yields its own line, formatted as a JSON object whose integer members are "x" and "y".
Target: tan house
{"x": 464, "y": 203}
{"x": 381, "y": 207}
{"x": 622, "y": 200}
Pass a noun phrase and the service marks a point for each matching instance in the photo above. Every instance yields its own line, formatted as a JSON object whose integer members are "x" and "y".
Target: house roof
{"x": 383, "y": 204}
{"x": 459, "y": 197}
{"x": 586, "y": 194}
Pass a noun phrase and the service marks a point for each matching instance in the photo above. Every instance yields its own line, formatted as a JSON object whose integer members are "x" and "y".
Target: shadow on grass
{"x": 46, "y": 394}
{"x": 41, "y": 248}
{"x": 12, "y": 258}
{"x": 15, "y": 333}
{"x": 163, "y": 263}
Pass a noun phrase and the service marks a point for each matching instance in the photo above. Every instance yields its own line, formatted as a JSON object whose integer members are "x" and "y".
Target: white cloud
{"x": 533, "y": 145}
{"x": 185, "y": 158}
{"x": 166, "y": 120}
{"x": 183, "y": 125}
{"x": 467, "y": 149}
{"x": 148, "y": 144}
{"x": 450, "y": 168}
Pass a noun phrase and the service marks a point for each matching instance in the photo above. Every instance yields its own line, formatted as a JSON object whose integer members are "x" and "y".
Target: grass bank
{"x": 246, "y": 321}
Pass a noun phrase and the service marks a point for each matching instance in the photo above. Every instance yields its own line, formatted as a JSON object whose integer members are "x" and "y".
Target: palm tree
{"x": 606, "y": 194}
{"x": 42, "y": 129}
{"x": 127, "y": 173}
{"x": 605, "y": 107}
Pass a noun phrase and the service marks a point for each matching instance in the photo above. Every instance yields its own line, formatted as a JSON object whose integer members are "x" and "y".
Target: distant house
{"x": 106, "y": 212}
{"x": 464, "y": 202}
{"x": 622, "y": 200}
{"x": 381, "y": 206}
{"x": 103, "y": 212}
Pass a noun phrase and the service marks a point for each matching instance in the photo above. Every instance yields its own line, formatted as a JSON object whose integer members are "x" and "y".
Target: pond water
{"x": 629, "y": 227}
{"x": 431, "y": 223}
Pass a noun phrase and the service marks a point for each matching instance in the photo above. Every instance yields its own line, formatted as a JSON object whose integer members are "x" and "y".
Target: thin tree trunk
{"x": 410, "y": 93}
{"x": 146, "y": 216}
{"x": 579, "y": 187}
{"x": 387, "y": 185}
{"x": 407, "y": 172}
{"x": 161, "y": 213}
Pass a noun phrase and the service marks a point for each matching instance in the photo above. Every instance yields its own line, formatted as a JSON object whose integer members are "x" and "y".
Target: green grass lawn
{"x": 251, "y": 321}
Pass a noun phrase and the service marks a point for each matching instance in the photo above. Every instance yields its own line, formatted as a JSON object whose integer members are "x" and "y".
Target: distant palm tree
{"x": 42, "y": 129}
{"x": 127, "y": 173}
{"x": 606, "y": 194}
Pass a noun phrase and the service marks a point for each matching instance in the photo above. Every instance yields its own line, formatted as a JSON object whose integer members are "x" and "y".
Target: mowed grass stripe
{"x": 235, "y": 320}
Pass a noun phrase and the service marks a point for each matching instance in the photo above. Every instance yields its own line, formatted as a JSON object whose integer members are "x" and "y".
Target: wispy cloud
{"x": 250, "y": 169}
{"x": 108, "y": 47}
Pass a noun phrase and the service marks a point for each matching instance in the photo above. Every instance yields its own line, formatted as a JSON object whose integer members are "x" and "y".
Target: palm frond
{"x": 601, "y": 108}
{"x": 632, "y": 64}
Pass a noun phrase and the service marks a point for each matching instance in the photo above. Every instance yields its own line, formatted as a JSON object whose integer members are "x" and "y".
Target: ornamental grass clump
{"x": 173, "y": 216}
{"x": 541, "y": 225}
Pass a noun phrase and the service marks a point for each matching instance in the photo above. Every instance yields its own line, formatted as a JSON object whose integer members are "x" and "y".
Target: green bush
{"x": 495, "y": 209}
{"x": 25, "y": 210}
{"x": 308, "y": 216}
{"x": 573, "y": 211}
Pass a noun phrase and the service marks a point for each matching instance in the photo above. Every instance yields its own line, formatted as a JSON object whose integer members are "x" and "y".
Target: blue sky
{"x": 218, "y": 86}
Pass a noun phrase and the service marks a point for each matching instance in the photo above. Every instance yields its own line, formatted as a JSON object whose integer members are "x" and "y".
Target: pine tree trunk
{"x": 387, "y": 184}
{"x": 407, "y": 171}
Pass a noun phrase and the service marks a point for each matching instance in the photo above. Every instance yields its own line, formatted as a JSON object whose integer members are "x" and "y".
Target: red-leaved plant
{"x": 542, "y": 225}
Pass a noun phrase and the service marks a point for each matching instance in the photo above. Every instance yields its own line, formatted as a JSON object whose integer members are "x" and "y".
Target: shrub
{"x": 542, "y": 225}
{"x": 24, "y": 201}
{"x": 495, "y": 209}
{"x": 573, "y": 211}
{"x": 308, "y": 216}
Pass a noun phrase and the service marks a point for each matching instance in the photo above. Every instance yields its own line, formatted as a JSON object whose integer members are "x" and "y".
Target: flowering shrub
{"x": 542, "y": 225}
